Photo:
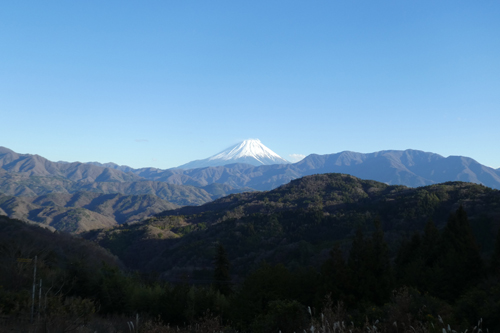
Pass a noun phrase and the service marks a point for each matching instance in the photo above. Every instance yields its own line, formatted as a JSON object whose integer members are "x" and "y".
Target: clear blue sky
{"x": 161, "y": 83}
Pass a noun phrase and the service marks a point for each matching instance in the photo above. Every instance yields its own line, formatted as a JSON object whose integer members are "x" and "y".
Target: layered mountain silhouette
{"x": 33, "y": 175}
{"x": 25, "y": 175}
{"x": 26, "y": 181}
{"x": 403, "y": 167}
{"x": 35, "y": 165}
{"x": 394, "y": 167}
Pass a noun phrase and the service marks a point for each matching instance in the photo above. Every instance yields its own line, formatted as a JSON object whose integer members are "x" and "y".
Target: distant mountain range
{"x": 27, "y": 181}
{"x": 250, "y": 151}
{"x": 35, "y": 165}
{"x": 33, "y": 175}
{"x": 25, "y": 175}
{"x": 394, "y": 167}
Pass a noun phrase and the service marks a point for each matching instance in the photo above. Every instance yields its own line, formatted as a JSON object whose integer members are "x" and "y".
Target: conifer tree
{"x": 495, "y": 258}
{"x": 358, "y": 265}
{"x": 430, "y": 243}
{"x": 336, "y": 277}
{"x": 380, "y": 267}
{"x": 222, "y": 279}
{"x": 370, "y": 266}
{"x": 416, "y": 260}
{"x": 408, "y": 262}
{"x": 358, "y": 248}
{"x": 461, "y": 261}
{"x": 431, "y": 252}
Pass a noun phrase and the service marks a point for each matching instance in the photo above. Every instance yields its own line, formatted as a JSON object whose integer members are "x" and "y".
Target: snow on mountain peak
{"x": 250, "y": 151}
{"x": 248, "y": 148}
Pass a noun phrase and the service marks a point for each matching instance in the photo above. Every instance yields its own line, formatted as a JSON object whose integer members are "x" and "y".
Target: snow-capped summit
{"x": 250, "y": 151}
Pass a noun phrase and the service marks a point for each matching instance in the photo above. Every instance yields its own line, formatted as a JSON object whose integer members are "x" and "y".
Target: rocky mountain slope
{"x": 33, "y": 175}
{"x": 82, "y": 211}
{"x": 21, "y": 185}
{"x": 35, "y": 189}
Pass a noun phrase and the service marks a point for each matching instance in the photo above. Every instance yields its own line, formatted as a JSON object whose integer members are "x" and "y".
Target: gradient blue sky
{"x": 161, "y": 83}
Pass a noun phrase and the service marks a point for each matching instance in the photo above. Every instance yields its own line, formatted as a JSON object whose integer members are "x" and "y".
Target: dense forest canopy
{"x": 296, "y": 224}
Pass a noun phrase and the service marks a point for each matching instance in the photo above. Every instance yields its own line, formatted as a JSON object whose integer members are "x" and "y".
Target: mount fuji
{"x": 250, "y": 151}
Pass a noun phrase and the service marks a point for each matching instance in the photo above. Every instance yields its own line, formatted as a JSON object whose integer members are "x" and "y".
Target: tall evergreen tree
{"x": 336, "y": 276}
{"x": 495, "y": 258}
{"x": 380, "y": 267}
{"x": 358, "y": 265}
{"x": 461, "y": 261}
{"x": 408, "y": 262}
{"x": 431, "y": 251}
{"x": 222, "y": 278}
{"x": 416, "y": 260}
{"x": 370, "y": 266}
{"x": 430, "y": 243}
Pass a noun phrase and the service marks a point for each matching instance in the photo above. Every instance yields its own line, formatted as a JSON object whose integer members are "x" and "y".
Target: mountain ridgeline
{"x": 394, "y": 167}
{"x": 31, "y": 176}
{"x": 26, "y": 181}
{"x": 295, "y": 224}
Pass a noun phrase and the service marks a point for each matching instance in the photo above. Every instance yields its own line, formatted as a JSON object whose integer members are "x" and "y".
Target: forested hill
{"x": 295, "y": 224}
